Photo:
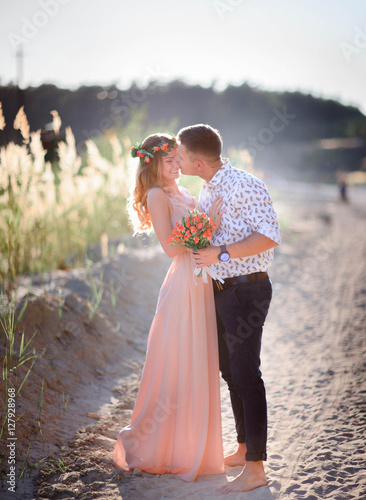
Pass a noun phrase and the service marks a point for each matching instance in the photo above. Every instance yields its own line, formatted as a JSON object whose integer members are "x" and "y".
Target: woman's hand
{"x": 216, "y": 210}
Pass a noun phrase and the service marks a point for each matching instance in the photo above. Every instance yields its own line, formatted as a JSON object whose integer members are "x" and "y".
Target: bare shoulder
{"x": 156, "y": 196}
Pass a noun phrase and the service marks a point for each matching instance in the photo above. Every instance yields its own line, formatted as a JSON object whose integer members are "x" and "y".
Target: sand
{"x": 313, "y": 363}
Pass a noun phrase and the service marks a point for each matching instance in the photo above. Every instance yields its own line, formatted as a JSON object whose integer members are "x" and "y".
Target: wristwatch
{"x": 224, "y": 255}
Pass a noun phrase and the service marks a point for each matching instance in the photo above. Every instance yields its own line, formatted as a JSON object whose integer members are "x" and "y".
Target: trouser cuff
{"x": 254, "y": 457}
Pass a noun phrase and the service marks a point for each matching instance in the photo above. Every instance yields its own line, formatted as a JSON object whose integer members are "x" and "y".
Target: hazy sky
{"x": 309, "y": 45}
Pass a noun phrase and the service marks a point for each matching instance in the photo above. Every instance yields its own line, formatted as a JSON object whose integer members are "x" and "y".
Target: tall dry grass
{"x": 46, "y": 218}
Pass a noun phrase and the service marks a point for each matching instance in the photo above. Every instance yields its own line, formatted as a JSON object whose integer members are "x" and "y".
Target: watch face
{"x": 224, "y": 257}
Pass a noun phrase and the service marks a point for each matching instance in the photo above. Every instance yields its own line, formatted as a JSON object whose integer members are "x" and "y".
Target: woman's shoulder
{"x": 156, "y": 195}
{"x": 156, "y": 192}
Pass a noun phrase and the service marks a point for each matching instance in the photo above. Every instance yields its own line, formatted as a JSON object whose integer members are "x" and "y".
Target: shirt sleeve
{"x": 261, "y": 214}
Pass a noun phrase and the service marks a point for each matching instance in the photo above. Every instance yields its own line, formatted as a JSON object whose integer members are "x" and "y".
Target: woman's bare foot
{"x": 252, "y": 476}
{"x": 237, "y": 458}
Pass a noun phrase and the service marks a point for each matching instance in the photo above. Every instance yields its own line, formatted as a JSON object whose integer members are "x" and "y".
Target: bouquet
{"x": 195, "y": 231}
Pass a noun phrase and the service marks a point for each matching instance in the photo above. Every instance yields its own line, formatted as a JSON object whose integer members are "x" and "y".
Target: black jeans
{"x": 241, "y": 311}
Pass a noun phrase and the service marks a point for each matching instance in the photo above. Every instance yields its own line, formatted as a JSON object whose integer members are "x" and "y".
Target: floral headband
{"x": 145, "y": 155}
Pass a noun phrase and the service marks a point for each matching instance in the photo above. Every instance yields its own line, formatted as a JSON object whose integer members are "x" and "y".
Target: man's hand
{"x": 206, "y": 256}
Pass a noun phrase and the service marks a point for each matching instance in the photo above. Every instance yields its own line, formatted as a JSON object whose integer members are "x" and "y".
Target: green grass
{"x": 96, "y": 293}
{"x": 17, "y": 352}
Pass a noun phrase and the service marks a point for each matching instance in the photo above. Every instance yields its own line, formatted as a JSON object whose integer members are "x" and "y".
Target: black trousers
{"x": 241, "y": 311}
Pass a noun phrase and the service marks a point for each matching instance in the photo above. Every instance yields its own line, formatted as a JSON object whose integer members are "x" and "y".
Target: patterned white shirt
{"x": 248, "y": 209}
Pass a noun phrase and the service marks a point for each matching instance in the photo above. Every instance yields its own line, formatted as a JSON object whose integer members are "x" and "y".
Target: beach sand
{"x": 313, "y": 364}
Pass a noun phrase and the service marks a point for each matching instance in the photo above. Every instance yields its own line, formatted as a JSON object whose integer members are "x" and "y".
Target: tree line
{"x": 251, "y": 118}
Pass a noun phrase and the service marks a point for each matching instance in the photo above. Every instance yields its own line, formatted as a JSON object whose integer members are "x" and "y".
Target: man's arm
{"x": 251, "y": 245}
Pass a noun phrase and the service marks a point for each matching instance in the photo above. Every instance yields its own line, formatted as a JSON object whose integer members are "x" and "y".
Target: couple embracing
{"x": 200, "y": 328}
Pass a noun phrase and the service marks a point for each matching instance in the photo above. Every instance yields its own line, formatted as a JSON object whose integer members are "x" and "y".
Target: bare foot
{"x": 252, "y": 476}
{"x": 237, "y": 458}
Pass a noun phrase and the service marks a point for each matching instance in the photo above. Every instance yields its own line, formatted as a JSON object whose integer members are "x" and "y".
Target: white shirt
{"x": 248, "y": 209}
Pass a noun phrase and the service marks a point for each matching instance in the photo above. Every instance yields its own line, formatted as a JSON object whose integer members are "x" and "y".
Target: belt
{"x": 237, "y": 280}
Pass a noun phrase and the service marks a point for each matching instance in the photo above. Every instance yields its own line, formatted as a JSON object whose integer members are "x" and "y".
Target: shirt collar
{"x": 223, "y": 171}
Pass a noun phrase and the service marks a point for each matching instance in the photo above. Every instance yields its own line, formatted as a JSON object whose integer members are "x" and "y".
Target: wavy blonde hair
{"x": 148, "y": 176}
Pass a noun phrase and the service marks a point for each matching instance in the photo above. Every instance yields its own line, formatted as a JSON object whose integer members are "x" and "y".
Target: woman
{"x": 176, "y": 423}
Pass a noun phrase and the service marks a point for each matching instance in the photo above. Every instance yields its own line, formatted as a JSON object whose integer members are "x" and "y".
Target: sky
{"x": 306, "y": 45}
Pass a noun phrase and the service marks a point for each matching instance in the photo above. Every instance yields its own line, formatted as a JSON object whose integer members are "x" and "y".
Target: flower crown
{"x": 145, "y": 155}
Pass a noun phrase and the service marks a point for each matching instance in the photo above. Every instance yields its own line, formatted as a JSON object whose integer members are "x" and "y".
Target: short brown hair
{"x": 201, "y": 139}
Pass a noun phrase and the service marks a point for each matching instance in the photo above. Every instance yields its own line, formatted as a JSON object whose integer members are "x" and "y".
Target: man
{"x": 240, "y": 253}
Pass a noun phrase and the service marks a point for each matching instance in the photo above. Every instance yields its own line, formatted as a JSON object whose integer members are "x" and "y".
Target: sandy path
{"x": 313, "y": 363}
{"x": 314, "y": 367}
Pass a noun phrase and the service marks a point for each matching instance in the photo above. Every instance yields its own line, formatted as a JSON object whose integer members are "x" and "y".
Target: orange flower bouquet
{"x": 195, "y": 231}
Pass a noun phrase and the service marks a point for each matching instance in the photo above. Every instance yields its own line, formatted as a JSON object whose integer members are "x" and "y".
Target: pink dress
{"x": 176, "y": 422}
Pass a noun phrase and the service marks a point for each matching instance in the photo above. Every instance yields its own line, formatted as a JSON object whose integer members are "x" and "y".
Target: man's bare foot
{"x": 237, "y": 458}
{"x": 252, "y": 476}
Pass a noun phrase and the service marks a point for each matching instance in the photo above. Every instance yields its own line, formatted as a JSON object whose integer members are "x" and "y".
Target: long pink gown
{"x": 176, "y": 422}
